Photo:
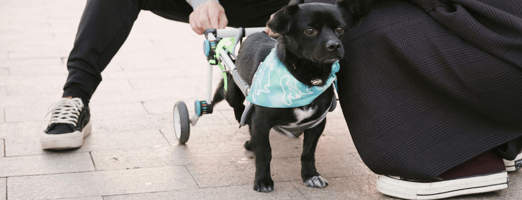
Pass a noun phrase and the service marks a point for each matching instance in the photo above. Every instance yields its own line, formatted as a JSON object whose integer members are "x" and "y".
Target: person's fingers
{"x": 203, "y": 18}
{"x": 223, "y": 21}
{"x": 208, "y": 15}
{"x": 267, "y": 30}
{"x": 194, "y": 23}
{"x": 213, "y": 16}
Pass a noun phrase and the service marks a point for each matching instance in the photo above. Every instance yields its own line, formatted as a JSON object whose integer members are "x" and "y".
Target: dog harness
{"x": 273, "y": 86}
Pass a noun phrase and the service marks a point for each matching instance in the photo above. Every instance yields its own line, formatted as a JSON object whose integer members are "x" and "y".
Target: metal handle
{"x": 231, "y": 32}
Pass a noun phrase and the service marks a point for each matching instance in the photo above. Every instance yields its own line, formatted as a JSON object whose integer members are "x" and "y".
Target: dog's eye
{"x": 339, "y": 30}
{"x": 310, "y": 31}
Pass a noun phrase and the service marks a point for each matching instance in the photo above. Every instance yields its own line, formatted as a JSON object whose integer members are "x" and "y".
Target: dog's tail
{"x": 219, "y": 94}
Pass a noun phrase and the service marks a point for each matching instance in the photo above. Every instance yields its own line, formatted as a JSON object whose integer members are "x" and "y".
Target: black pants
{"x": 105, "y": 25}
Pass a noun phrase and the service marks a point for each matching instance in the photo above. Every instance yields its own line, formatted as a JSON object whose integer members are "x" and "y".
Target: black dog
{"x": 308, "y": 46}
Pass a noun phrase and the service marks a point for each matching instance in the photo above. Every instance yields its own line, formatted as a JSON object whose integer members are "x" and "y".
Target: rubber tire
{"x": 183, "y": 133}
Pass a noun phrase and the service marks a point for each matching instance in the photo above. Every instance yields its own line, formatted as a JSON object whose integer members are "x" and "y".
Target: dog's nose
{"x": 333, "y": 45}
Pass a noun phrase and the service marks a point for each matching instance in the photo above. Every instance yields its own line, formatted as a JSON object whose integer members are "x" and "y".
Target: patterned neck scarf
{"x": 273, "y": 86}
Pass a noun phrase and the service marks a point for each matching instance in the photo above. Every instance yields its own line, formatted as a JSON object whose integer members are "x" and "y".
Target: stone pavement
{"x": 132, "y": 152}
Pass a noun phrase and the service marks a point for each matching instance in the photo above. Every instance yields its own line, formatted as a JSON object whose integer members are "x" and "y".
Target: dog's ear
{"x": 357, "y": 9}
{"x": 282, "y": 20}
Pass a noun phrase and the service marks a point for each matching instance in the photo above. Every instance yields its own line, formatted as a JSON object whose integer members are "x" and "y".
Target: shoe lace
{"x": 66, "y": 111}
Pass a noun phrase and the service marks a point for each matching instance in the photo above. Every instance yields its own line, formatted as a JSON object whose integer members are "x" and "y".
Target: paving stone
{"x": 4, "y": 55}
{"x": 42, "y": 52}
{"x": 4, "y": 72}
{"x": 137, "y": 56}
{"x": 3, "y": 91}
{"x": 336, "y": 126}
{"x": 141, "y": 84}
{"x": 23, "y": 138}
{"x": 352, "y": 187}
{"x": 56, "y": 69}
{"x": 167, "y": 72}
{"x": 193, "y": 154}
{"x": 211, "y": 134}
{"x": 130, "y": 123}
{"x": 3, "y": 188}
{"x": 134, "y": 64}
{"x": 10, "y": 130}
{"x": 20, "y": 44}
{"x": 2, "y": 148}
{"x": 85, "y": 198}
{"x": 100, "y": 183}
{"x": 109, "y": 86}
{"x": 166, "y": 105}
{"x": 29, "y": 143}
{"x": 282, "y": 145}
{"x": 34, "y": 100}
{"x": 199, "y": 80}
{"x": 30, "y": 112}
{"x": 30, "y": 62}
{"x": 2, "y": 115}
{"x": 283, "y": 190}
{"x": 34, "y": 84}
{"x": 132, "y": 43}
{"x": 45, "y": 164}
{"x": 228, "y": 113}
{"x": 167, "y": 97}
{"x": 226, "y": 174}
{"x": 116, "y": 110}
{"x": 282, "y": 169}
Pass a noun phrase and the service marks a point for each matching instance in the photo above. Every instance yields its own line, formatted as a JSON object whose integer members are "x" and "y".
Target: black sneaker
{"x": 484, "y": 173}
{"x": 68, "y": 126}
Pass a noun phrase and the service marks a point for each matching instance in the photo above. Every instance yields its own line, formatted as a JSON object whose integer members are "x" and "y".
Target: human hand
{"x": 208, "y": 15}
{"x": 269, "y": 31}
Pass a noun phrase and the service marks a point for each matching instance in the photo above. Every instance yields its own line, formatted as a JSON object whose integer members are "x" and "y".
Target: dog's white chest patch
{"x": 302, "y": 114}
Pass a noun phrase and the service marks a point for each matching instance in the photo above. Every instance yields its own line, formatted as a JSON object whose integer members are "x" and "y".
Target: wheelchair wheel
{"x": 181, "y": 122}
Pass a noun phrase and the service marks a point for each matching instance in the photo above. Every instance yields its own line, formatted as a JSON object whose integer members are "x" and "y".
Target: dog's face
{"x": 313, "y": 31}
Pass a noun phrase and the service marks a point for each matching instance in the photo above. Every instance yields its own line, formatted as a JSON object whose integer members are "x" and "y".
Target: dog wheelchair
{"x": 219, "y": 49}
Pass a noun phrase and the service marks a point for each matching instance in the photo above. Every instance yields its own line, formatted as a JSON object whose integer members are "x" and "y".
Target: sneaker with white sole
{"x": 69, "y": 124}
{"x": 513, "y": 165}
{"x": 484, "y": 173}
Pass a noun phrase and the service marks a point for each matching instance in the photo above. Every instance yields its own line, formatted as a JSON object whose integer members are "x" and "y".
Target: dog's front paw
{"x": 316, "y": 182}
{"x": 264, "y": 185}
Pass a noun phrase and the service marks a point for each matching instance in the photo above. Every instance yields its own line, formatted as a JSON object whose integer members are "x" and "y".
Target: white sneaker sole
{"x": 444, "y": 189}
{"x": 514, "y": 165}
{"x": 65, "y": 141}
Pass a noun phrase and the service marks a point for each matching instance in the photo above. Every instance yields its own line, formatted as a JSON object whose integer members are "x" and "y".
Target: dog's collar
{"x": 273, "y": 86}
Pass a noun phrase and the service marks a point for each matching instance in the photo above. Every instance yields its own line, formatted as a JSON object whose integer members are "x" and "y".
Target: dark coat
{"x": 428, "y": 84}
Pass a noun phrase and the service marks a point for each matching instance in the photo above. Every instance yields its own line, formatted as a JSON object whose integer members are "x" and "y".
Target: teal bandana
{"x": 273, "y": 86}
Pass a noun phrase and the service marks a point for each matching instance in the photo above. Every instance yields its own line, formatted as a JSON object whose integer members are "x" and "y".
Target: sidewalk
{"x": 133, "y": 152}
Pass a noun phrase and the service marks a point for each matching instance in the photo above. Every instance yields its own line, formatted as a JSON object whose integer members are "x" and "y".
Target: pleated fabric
{"x": 426, "y": 85}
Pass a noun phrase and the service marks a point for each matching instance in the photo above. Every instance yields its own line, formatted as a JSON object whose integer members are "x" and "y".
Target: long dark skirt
{"x": 427, "y": 85}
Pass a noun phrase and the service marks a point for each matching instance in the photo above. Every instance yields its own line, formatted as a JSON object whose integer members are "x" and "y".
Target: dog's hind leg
{"x": 219, "y": 94}
{"x": 235, "y": 98}
{"x": 248, "y": 144}
{"x": 308, "y": 171}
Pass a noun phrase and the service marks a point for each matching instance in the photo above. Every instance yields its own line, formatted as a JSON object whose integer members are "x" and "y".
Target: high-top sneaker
{"x": 514, "y": 165}
{"x": 484, "y": 173}
{"x": 68, "y": 126}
